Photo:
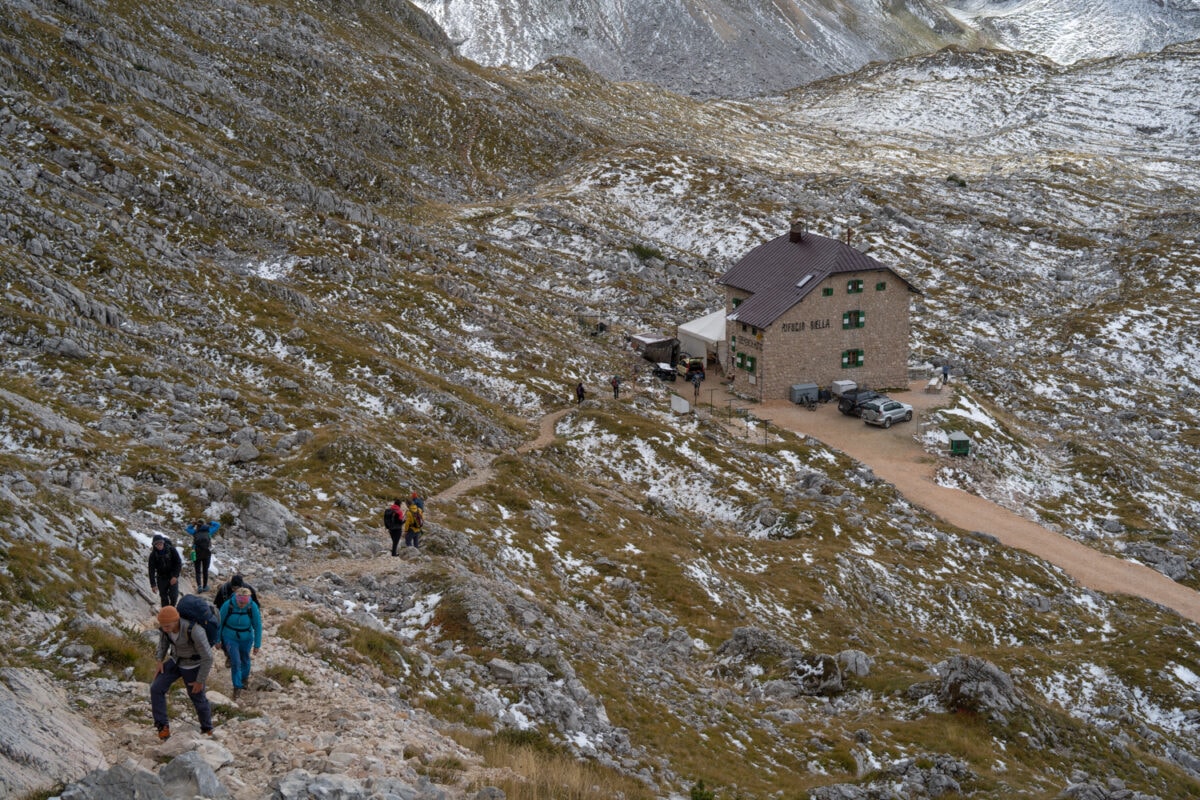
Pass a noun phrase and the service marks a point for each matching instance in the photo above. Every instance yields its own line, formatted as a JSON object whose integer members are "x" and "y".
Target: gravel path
{"x": 896, "y": 456}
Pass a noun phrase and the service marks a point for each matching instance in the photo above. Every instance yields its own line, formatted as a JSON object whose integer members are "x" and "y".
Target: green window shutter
{"x": 846, "y": 320}
{"x": 751, "y": 363}
{"x": 737, "y": 301}
{"x": 862, "y": 319}
{"x": 881, "y": 286}
{"x": 827, "y": 291}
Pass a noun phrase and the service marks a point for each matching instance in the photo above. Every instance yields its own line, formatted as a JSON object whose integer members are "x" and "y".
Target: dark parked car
{"x": 664, "y": 371}
{"x": 851, "y": 402}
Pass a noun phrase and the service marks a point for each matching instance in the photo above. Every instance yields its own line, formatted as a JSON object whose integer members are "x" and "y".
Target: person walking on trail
{"x": 414, "y": 521}
{"x": 227, "y": 589}
{"x": 241, "y": 630}
{"x": 696, "y": 379}
{"x": 616, "y": 384}
{"x": 190, "y": 659}
{"x": 579, "y": 392}
{"x": 165, "y": 566}
{"x": 416, "y": 498}
{"x": 945, "y": 373}
{"x": 202, "y": 533}
{"x": 393, "y": 520}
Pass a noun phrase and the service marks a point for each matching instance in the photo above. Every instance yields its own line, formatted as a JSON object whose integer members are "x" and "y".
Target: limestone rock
{"x": 42, "y": 742}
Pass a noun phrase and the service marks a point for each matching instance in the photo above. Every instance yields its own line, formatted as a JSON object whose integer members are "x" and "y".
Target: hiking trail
{"x": 897, "y": 457}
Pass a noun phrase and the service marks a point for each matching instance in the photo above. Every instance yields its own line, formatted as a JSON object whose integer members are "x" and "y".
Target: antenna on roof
{"x": 849, "y": 231}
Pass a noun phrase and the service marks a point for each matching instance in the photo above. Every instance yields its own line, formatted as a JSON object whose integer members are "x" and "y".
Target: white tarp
{"x": 705, "y": 335}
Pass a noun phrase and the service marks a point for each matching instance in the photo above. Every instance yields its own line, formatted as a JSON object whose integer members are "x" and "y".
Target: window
{"x": 745, "y": 362}
{"x": 737, "y": 301}
{"x": 852, "y": 358}
{"x": 881, "y": 286}
{"x": 827, "y": 291}
{"x": 854, "y": 286}
{"x": 854, "y": 319}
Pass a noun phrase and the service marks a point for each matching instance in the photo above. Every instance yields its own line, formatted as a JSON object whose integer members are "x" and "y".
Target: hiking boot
{"x": 206, "y": 731}
{"x": 236, "y": 694}
{"x": 164, "y": 732}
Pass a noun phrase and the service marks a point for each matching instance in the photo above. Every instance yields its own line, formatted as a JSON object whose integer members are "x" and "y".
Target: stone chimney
{"x": 796, "y": 234}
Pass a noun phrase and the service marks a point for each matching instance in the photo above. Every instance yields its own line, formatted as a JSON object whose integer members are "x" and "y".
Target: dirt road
{"x": 896, "y": 456}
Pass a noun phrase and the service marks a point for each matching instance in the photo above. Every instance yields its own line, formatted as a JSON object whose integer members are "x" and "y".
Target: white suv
{"x": 884, "y": 411}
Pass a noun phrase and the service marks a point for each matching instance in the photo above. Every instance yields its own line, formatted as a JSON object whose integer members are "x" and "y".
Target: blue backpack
{"x": 198, "y": 611}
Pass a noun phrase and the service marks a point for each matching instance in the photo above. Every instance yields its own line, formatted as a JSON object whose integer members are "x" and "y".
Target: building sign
{"x": 749, "y": 343}
{"x": 800, "y": 327}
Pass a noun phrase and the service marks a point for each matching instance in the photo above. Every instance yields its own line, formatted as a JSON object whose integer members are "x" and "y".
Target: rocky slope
{"x": 274, "y": 264}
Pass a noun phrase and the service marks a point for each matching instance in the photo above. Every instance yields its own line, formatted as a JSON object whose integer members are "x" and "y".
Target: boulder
{"x": 42, "y": 742}
{"x": 123, "y": 780}
{"x": 972, "y": 684}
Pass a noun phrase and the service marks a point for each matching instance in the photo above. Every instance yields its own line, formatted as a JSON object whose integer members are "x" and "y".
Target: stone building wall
{"x": 806, "y": 344}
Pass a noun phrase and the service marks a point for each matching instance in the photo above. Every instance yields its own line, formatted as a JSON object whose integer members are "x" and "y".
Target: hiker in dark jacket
{"x": 393, "y": 520}
{"x": 165, "y": 566}
{"x": 202, "y": 533}
{"x": 241, "y": 629}
{"x": 227, "y": 589}
{"x": 191, "y": 659}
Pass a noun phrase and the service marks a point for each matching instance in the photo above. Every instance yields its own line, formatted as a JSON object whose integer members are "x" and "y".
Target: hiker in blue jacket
{"x": 202, "y": 533}
{"x": 241, "y": 629}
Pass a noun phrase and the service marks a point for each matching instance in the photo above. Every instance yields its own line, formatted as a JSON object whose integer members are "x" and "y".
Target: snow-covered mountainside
{"x": 1073, "y": 30}
{"x": 721, "y": 48}
{"x": 276, "y": 263}
{"x": 703, "y": 47}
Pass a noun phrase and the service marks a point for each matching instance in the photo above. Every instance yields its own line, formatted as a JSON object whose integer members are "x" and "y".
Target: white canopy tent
{"x": 705, "y": 336}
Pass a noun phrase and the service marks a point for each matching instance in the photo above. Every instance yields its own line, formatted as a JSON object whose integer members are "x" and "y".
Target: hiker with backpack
{"x": 414, "y": 521}
{"x": 202, "y": 533}
{"x": 187, "y": 644}
{"x": 227, "y": 589}
{"x": 393, "y": 520}
{"x": 241, "y": 630}
{"x": 165, "y": 566}
{"x": 416, "y": 498}
{"x": 616, "y": 384}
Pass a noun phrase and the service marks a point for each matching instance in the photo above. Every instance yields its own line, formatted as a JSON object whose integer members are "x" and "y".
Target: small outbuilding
{"x": 705, "y": 337}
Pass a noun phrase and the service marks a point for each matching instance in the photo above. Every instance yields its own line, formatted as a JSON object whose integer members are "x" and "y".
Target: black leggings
{"x": 203, "y": 559}
{"x": 168, "y": 593}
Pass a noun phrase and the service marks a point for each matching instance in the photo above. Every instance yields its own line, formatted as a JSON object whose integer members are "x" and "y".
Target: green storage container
{"x": 960, "y": 444}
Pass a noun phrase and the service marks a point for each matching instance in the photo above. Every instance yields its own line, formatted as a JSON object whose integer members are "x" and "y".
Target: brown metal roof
{"x": 781, "y": 273}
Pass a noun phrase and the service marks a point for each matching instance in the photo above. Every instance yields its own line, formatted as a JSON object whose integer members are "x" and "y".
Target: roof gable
{"x": 780, "y": 273}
